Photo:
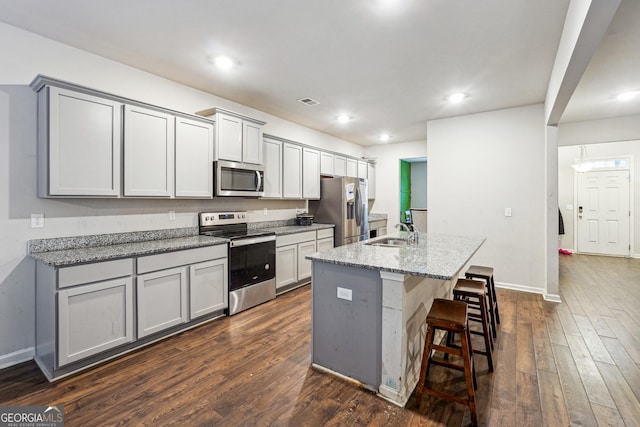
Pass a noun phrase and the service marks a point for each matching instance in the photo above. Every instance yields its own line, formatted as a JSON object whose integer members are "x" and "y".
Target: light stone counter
{"x": 370, "y": 304}
{"x": 66, "y": 251}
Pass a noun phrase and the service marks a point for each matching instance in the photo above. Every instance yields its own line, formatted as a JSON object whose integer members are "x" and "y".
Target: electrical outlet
{"x": 507, "y": 211}
{"x": 172, "y": 215}
{"x": 344, "y": 293}
{"x": 265, "y": 211}
{"x": 301, "y": 211}
{"x": 37, "y": 220}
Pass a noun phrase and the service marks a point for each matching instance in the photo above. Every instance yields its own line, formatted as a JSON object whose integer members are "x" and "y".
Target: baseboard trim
{"x": 16, "y": 357}
{"x": 529, "y": 289}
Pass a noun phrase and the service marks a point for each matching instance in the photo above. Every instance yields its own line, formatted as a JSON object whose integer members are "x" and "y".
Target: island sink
{"x": 393, "y": 242}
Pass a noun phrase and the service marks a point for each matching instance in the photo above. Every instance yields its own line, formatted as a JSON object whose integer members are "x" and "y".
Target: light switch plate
{"x": 37, "y": 220}
{"x": 507, "y": 211}
{"x": 344, "y": 293}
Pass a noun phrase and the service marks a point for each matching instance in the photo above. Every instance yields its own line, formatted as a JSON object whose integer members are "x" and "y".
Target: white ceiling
{"x": 387, "y": 63}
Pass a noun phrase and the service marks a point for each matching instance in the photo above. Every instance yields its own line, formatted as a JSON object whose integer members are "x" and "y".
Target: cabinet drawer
{"x": 323, "y": 234}
{"x": 178, "y": 258}
{"x": 291, "y": 239}
{"x": 89, "y": 273}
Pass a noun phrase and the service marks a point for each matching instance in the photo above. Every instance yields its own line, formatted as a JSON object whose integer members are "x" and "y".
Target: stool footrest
{"x": 448, "y": 350}
{"x": 447, "y": 396}
{"x": 443, "y": 362}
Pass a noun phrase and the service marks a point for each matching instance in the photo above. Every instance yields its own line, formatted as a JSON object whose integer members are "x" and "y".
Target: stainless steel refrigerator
{"x": 343, "y": 202}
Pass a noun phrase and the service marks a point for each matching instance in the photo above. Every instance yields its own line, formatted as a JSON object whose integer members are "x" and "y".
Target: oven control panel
{"x": 222, "y": 218}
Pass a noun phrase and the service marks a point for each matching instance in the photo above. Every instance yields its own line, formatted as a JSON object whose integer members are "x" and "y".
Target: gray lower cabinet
{"x": 286, "y": 265}
{"x": 82, "y": 311}
{"x": 89, "y": 313}
{"x": 162, "y": 300}
{"x": 94, "y": 318}
{"x": 208, "y": 288}
{"x": 292, "y": 267}
{"x": 304, "y": 265}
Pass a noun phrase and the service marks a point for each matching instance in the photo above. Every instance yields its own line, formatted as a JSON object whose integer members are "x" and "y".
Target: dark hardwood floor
{"x": 574, "y": 363}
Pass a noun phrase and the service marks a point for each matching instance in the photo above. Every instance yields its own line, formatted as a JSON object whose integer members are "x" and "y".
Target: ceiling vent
{"x": 308, "y": 101}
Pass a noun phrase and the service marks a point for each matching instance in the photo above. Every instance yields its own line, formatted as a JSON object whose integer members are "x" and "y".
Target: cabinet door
{"x": 228, "y": 138}
{"x": 326, "y": 243}
{"x": 94, "y": 318}
{"x": 286, "y": 265}
{"x": 208, "y": 287}
{"x": 291, "y": 171}
{"x": 352, "y": 168}
{"x": 362, "y": 170}
{"x": 327, "y": 163}
{"x": 272, "y": 168}
{"x": 82, "y": 154}
{"x": 194, "y": 158}
{"x": 310, "y": 174}
{"x": 371, "y": 176}
{"x": 304, "y": 265}
{"x": 340, "y": 166}
{"x": 251, "y": 143}
{"x": 148, "y": 152}
{"x": 162, "y": 300}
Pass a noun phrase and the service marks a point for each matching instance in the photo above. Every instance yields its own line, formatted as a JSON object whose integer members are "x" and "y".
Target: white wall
{"x": 388, "y": 176}
{"x": 566, "y": 177}
{"x": 481, "y": 164}
{"x": 24, "y": 55}
{"x": 419, "y": 184}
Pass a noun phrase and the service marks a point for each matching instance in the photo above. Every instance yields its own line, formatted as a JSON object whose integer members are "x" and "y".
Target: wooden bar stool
{"x": 451, "y": 317}
{"x": 474, "y": 293}
{"x": 486, "y": 274}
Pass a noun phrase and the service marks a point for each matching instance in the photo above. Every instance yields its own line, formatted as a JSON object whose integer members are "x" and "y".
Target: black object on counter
{"x": 304, "y": 219}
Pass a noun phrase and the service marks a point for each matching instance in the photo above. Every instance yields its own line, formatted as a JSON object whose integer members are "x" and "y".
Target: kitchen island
{"x": 370, "y": 302}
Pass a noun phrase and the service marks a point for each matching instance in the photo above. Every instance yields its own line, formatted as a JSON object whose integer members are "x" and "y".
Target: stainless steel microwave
{"x": 238, "y": 179}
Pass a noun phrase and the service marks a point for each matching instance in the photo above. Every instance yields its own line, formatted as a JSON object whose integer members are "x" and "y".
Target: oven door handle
{"x": 251, "y": 241}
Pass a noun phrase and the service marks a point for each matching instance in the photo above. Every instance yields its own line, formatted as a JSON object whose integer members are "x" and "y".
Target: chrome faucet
{"x": 412, "y": 233}
{"x": 403, "y": 225}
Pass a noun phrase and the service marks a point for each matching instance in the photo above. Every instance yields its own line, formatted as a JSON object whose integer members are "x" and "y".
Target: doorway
{"x": 413, "y": 188}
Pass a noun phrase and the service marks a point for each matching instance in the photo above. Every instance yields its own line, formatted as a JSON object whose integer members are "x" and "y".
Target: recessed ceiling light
{"x": 456, "y": 97}
{"x": 626, "y": 96}
{"x": 223, "y": 62}
{"x": 385, "y": 137}
{"x": 343, "y": 118}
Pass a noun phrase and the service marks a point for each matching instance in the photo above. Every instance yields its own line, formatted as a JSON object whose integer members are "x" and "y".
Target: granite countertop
{"x": 438, "y": 256}
{"x": 292, "y": 229}
{"x": 62, "y": 252}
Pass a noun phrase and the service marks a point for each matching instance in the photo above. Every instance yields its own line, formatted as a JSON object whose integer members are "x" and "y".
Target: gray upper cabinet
{"x": 291, "y": 171}
{"x": 148, "y": 152}
{"x": 362, "y": 169}
{"x": 193, "y": 159}
{"x": 94, "y": 144}
{"x": 340, "y": 166}
{"x": 327, "y": 161}
{"x": 310, "y": 173}
{"x": 272, "y": 168}
{"x": 238, "y": 137}
{"x": 229, "y": 138}
{"x": 79, "y": 142}
{"x": 352, "y": 168}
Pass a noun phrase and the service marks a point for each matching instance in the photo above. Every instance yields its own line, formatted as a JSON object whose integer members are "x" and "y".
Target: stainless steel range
{"x": 252, "y": 258}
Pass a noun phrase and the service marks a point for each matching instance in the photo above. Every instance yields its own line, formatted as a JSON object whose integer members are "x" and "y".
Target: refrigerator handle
{"x": 358, "y": 208}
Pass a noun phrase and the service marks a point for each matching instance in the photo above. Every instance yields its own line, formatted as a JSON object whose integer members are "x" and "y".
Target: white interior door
{"x": 603, "y": 212}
